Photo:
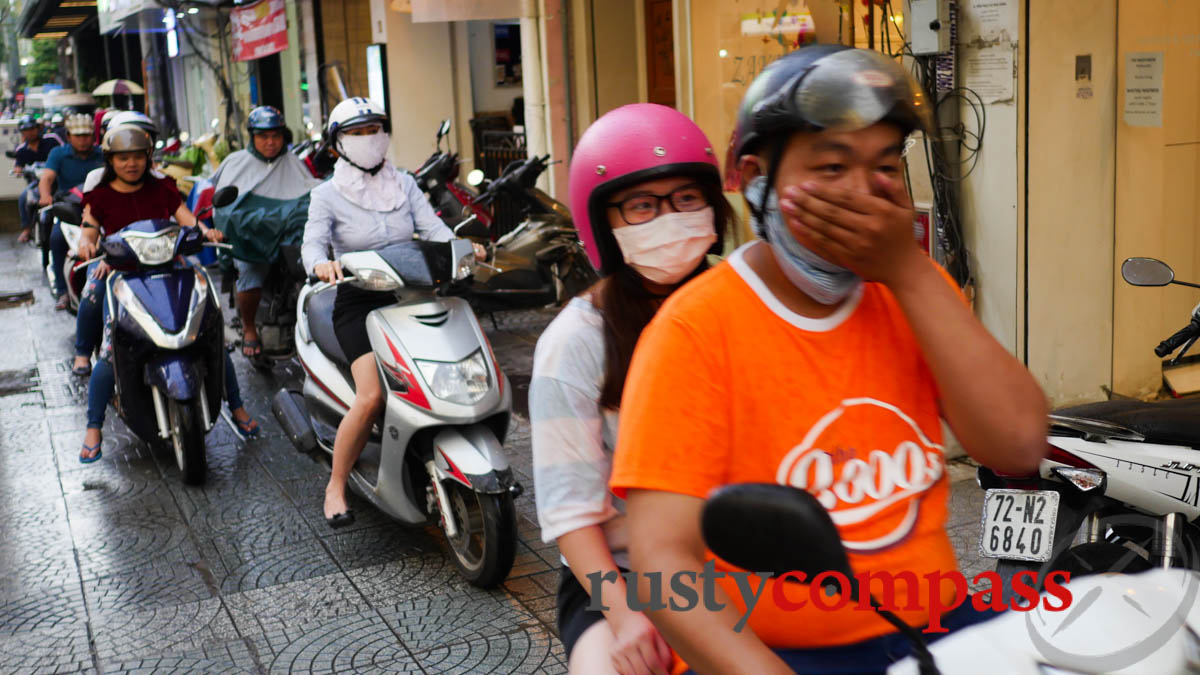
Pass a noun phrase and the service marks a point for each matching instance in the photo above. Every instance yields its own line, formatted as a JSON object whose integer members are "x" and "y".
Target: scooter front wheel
{"x": 486, "y": 542}
{"x": 187, "y": 440}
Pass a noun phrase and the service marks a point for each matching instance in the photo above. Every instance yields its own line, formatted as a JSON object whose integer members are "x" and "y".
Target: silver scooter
{"x": 436, "y": 454}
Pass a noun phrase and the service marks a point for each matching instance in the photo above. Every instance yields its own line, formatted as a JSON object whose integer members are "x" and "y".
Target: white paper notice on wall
{"x": 988, "y": 71}
{"x": 988, "y": 21}
{"x": 1143, "y": 89}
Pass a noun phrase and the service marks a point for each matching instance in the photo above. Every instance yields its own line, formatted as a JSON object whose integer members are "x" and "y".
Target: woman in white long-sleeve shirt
{"x": 367, "y": 205}
{"x": 646, "y": 198}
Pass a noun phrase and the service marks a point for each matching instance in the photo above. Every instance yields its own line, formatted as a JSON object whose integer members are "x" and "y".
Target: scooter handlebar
{"x": 1179, "y": 338}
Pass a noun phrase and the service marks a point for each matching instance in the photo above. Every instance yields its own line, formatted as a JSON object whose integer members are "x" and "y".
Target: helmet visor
{"x": 847, "y": 91}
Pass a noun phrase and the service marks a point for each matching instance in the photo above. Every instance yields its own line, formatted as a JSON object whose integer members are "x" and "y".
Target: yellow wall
{"x": 619, "y": 54}
{"x": 1070, "y": 199}
{"x": 1158, "y": 170}
{"x": 346, "y": 31}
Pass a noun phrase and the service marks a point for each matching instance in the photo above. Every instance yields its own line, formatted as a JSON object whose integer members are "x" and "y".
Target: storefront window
{"x": 732, "y": 41}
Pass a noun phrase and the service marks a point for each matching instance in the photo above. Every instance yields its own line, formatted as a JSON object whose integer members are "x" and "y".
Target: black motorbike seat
{"x": 320, "y": 324}
{"x": 1170, "y": 422}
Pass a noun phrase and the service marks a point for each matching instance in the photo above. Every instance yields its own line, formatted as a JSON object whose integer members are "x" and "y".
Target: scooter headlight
{"x": 463, "y": 382}
{"x": 374, "y": 280}
{"x": 155, "y": 250}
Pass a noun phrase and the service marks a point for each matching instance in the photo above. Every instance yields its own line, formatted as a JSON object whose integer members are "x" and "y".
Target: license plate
{"x": 1018, "y": 524}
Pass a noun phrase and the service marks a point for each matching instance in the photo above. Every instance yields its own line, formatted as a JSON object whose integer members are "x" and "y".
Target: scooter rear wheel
{"x": 486, "y": 542}
{"x": 187, "y": 440}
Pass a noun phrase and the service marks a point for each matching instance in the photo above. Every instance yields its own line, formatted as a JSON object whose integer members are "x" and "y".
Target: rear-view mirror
{"x": 225, "y": 196}
{"x": 1147, "y": 272}
{"x": 774, "y": 528}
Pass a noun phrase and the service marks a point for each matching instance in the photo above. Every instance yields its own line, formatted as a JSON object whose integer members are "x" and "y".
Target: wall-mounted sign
{"x": 111, "y": 12}
{"x": 1143, "y": 89}
{"x": 259, "y": 30}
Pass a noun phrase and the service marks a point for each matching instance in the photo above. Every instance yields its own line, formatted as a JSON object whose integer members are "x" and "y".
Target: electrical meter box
{"x": 929, "y": 26}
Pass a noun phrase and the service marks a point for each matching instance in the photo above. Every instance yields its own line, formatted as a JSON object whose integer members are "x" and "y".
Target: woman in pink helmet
{"x": 646, "y": 196}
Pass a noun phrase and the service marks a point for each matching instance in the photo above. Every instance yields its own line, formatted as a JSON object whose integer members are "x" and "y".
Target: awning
{"x": 54, "y": 19}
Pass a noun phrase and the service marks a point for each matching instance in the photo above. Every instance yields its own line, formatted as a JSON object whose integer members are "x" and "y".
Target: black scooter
{"x": 438, "y": 178}
{"x": 541, "y": 261}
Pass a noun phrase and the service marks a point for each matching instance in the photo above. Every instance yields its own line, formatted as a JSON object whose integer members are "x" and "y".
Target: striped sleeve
{"x": 571, "y": 459}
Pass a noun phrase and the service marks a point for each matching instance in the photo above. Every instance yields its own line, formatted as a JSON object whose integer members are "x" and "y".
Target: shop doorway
{"x": 270, "y": 81}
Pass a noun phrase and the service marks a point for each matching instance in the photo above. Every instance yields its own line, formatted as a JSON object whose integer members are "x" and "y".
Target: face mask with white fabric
{"x": 668, "y": 248}
{"x": 365, "y": 153}
{"x": 818, "y": 278}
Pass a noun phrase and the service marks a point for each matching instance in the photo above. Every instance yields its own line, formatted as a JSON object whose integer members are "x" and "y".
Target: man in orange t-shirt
{"x": 822, "y": 358}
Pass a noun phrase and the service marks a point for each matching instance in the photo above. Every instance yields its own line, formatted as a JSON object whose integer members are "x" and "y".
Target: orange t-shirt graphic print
{"x": 728, "y": 386}
{"x": 873, "y": 494}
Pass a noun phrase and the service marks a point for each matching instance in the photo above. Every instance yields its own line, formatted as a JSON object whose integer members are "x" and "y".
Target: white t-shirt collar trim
{"x": 737, "y": 260}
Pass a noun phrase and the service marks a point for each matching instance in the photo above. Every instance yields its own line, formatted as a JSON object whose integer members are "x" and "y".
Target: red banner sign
{"x": 259, "y": 29}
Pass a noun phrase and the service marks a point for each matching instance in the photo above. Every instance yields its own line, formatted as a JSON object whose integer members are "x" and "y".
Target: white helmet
{"x": 133, "y": 118}
{"x": 107, "y": 119}
{"x": 79, "y": 124}
{"x": 356, "y": 112}
{"x": 56, "y": 119}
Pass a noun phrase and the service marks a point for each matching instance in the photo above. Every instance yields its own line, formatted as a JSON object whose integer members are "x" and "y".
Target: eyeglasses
{"x": 643, "y": 207}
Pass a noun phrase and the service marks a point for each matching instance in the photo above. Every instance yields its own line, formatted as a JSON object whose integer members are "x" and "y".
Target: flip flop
{"x": 251, "y": 347}
{"x": 63, "y": 303}
{"x": 91, "y": 448}
{"x": 25, "y": 236}
{"x": 249, "y": 427}
{"x": 82, "y": 371}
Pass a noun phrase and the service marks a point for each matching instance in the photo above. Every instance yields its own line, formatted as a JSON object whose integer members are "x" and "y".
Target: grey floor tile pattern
{"x": 117, "y": 567}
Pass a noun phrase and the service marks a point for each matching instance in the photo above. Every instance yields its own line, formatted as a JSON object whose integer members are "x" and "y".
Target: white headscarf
{"x": 378, "y": 192}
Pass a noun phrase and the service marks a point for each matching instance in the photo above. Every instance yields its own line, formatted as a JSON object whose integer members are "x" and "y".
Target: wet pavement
{"x": 118, "y": 567}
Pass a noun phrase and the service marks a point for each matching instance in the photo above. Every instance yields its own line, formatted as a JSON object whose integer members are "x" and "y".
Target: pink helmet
{"x": 626, "y": 146}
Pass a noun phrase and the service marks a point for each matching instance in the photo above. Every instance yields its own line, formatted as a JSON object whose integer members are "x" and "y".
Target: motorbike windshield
{"x": 420, "y": 264}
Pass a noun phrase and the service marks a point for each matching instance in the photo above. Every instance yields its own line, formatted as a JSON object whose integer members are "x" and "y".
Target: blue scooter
{"x": 168, "y": 342}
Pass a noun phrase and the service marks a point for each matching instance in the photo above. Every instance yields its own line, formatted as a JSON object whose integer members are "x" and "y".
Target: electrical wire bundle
{"x": 951, "y": 148}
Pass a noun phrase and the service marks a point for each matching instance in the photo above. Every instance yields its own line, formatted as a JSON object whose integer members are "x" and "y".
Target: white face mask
{"x": 367, "y": 152}
{"x": 668, "y": 248}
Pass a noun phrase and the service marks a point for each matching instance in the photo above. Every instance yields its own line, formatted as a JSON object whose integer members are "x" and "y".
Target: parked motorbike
{"x": 778, "y": 529}
{"x": 541, "y": 261}
{"x": 316, "y": 156}
{"x": 168, "y": 344}
{"x": 1120, "y": 487}
{"x": 436, "y": 454}
{"x": 438, "y": 177}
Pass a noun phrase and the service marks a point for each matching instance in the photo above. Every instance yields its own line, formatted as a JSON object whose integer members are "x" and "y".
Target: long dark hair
{"x": 624, "y": 302}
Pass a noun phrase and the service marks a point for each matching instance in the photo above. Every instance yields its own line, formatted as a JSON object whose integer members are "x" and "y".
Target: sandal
{"x": 63, "y": 303}
{"x": 249, "y": 428}
{"x": 25, "y": 236}
{"x": 91, "y": 448}
{"x": 251, "y": 348}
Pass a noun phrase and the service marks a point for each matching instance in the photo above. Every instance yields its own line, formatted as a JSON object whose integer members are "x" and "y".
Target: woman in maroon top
{"x": 127, "y": 193}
